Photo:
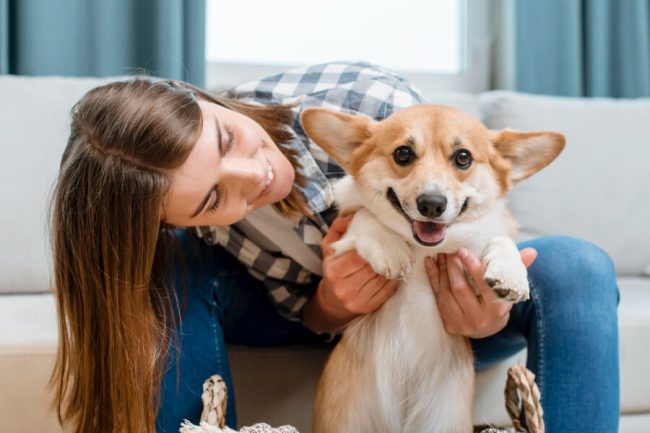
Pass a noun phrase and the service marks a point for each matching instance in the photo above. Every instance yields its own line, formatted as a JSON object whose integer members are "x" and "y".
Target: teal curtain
{"x": 583, "y": 47}
{"x": 4, "y": 36}
{"x": 103, "y": 37}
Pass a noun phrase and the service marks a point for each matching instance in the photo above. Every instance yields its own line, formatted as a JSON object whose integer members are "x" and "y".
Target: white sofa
{"x": 599, "y": 188}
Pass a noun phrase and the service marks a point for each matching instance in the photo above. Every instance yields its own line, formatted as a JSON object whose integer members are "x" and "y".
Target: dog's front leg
{"x": 505, "y": 273}
{"x": 388, "y": 253}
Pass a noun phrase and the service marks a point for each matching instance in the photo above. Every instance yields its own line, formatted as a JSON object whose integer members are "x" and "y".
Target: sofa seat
{"x": 273, "y": 384}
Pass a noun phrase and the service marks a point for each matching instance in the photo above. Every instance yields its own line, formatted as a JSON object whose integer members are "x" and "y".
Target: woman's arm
{"x": 349, "y": 288}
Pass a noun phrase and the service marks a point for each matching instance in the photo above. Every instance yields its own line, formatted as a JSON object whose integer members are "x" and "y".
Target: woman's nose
{"x": 244, "y": 172}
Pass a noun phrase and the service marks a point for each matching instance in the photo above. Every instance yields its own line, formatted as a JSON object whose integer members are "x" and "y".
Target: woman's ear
{"x": 336, "y": 133}
{"x": 528, "y": 152}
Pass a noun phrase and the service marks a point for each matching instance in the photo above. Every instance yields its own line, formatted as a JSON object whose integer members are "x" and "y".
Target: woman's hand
{"x": 350, "y": 287}
{"x": 462, "y": 311}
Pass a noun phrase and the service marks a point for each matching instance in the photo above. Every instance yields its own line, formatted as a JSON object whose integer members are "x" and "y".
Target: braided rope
{"x": 214, "y": 398}
{"x": 187, "y": 427}
{"x": 213, "y": 417}
{"x": 522, "y": 393}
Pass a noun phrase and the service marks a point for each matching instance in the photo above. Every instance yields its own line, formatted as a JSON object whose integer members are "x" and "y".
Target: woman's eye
{"x": 230, "y": 140}
{"x": 217, "y": 202}
{"x": 403, "y": 155}
{"x": 462, "y": 158}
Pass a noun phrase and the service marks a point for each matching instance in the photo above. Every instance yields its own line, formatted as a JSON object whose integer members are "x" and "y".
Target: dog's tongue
{"x": 429, "y": 232}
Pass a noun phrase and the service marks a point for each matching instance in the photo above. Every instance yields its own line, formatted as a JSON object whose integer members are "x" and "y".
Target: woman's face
{"x": 233, "y": 169}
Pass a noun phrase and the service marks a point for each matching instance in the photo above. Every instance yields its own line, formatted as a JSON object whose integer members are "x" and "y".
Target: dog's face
{"x": 427, "y": 168}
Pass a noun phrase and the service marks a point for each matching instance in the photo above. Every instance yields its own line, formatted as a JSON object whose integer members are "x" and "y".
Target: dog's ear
{"x": 336, "y": 133}
{"x": 528, "y": 152}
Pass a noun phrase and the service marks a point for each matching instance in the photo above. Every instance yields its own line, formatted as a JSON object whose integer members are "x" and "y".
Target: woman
{"x": 143, "y": 322}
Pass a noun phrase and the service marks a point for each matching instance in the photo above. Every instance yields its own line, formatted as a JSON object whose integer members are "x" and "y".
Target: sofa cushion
{"x": 34, "y": 125}
{"x": 27, "y": 350}
{"x": 634, "y": 344}
{"x": 599, "y": 187}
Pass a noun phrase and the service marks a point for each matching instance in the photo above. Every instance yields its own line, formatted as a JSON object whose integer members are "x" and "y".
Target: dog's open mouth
{"x": 426, "y": 233}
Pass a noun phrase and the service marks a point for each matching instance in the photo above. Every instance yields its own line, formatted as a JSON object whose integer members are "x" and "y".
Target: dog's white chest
{"x": 419, "y": 375}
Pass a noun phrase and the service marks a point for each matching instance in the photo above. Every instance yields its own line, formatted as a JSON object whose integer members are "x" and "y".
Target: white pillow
{"x": 599, "y": 187}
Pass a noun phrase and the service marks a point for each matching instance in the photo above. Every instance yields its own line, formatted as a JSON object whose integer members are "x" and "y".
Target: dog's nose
{"x": 432, "y": 205}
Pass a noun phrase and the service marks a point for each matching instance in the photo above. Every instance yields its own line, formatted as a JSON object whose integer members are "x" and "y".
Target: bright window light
{"x": 404, "y": 35}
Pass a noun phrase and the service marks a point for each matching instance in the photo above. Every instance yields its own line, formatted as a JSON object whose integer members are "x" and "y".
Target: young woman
{"x": 143, "y": 322}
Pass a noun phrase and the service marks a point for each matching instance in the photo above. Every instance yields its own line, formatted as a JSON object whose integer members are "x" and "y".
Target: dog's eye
{"x": 463, "y": 159}
{"x": 404, "y": 155}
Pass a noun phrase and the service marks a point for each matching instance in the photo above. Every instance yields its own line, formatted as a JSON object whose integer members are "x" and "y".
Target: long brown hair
{"x": 116, "y": 305}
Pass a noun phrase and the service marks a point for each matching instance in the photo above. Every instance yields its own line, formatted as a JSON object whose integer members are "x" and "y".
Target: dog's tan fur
{"x": 397, "y": 369}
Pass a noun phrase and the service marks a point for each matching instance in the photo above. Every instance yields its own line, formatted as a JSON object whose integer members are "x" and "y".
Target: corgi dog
{"x": 426, "y": 180}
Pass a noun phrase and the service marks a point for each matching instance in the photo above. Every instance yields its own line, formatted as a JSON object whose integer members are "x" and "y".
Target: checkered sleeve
{"x": 348, "y": 87}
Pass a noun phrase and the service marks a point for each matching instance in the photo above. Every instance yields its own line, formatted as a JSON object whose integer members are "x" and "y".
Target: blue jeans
{"x": 569, "y": 327}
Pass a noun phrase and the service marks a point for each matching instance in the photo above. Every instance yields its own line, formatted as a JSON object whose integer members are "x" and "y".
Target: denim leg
{"x": 199, "y": 336}
{"x": 221, "y": 298}
{"x": 570, "y": 328}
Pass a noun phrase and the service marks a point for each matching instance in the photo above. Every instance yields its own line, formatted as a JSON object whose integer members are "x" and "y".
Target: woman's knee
{"x": 573, "y": 269}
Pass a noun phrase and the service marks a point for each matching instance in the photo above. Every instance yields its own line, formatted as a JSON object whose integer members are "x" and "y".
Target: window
{"x": 429, "y": 42}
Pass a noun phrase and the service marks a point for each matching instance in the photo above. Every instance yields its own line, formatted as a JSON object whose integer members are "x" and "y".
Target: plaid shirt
{"x": 347, "y": 87}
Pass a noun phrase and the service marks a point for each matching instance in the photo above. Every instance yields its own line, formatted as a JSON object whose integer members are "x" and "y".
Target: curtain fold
{"x": 99, "y": 38}
{"x": 4, "y": 36}
{"x": 583, "y": 47}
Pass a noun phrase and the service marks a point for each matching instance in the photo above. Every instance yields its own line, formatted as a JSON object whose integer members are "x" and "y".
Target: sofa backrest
{"x": 34, "y": 125}
{"x": 599, "y": 187}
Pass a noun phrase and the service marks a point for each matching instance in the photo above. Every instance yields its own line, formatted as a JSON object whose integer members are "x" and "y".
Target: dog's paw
{"x": 389, "y": 256}
{"x": 504, "y": 271}
{"x": 508, "y": 279}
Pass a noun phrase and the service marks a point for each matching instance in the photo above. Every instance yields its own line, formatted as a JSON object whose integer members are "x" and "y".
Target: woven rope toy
{"x": 213, "y": 417}
{"x": 521, "y": 393}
